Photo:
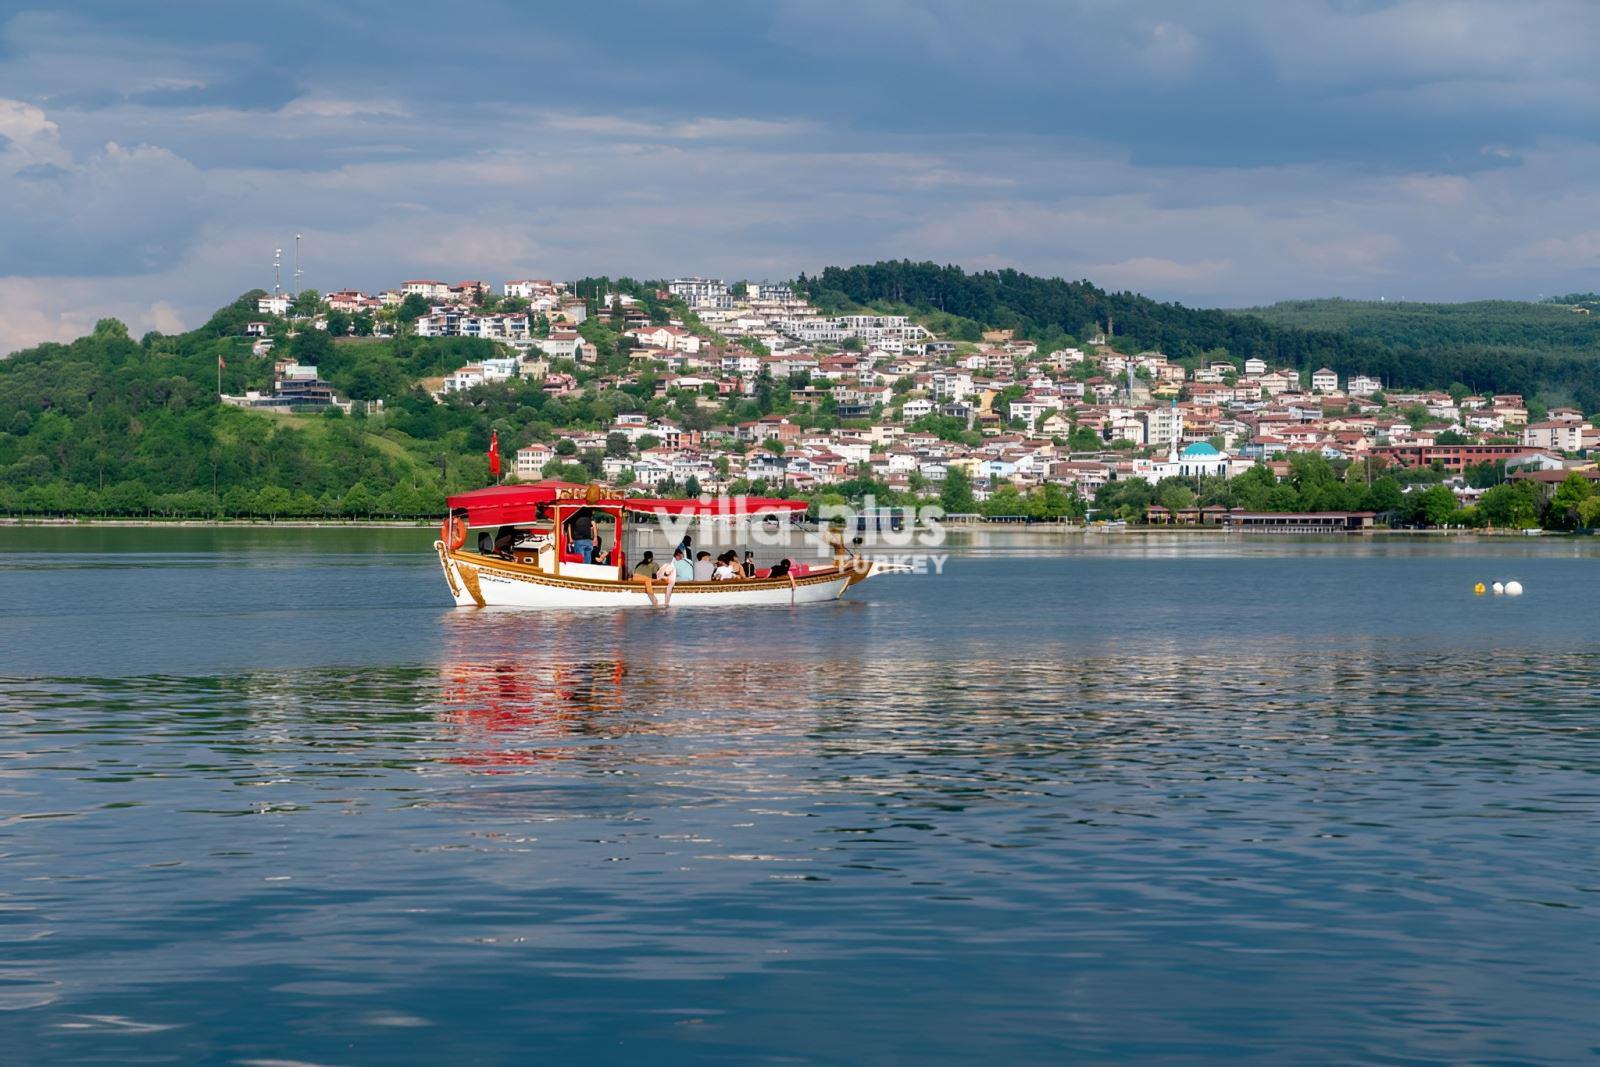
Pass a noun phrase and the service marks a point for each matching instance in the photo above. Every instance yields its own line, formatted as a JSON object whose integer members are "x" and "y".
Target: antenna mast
{"x": 297, "y": 270}
{"x": 277, "y": 279}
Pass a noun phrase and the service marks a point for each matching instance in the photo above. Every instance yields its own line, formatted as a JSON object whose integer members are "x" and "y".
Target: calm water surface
{"x": 264, "y": 796}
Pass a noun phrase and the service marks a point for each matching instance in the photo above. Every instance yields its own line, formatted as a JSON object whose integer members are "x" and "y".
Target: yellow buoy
{"x": 1479, "y": 589}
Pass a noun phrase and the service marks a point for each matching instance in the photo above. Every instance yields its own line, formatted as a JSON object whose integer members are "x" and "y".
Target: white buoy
{"x": 1498, "y": 589}
{"x": 1513, "y": 589}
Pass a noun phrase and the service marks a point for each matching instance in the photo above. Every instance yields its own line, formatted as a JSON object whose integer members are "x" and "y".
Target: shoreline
{"x": 1076, "y": 529}
{"x": 223, "y": 524}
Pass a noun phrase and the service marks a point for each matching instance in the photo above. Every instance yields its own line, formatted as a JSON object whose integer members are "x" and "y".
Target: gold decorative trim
{"x": 523, "y": 572}
{"x": 449, "y": 573}
{"x": 469, "y": 578}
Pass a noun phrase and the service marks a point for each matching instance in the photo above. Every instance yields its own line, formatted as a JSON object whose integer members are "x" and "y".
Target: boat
{"x": 509, "y": 546}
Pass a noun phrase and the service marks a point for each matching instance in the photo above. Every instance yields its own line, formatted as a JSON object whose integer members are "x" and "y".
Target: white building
{"x": 701, "y": 292}
{"x": 426, "y": 288}
{"x": 1560, "y": 436}
{"x": 531, "y": 459}
{"x": 1324, "y": 381}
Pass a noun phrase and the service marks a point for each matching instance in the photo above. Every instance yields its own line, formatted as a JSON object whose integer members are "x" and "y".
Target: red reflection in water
{"x": 521, "y": 689}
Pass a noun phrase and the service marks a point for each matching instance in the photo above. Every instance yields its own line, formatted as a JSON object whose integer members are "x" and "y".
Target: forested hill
{"x": 1539, "y": 353}
{"x": 111, "y": 424}
{"x": 1566, "y": 326}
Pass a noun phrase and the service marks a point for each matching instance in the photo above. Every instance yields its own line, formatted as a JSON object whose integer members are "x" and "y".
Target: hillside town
{"x": 879, "y": 396}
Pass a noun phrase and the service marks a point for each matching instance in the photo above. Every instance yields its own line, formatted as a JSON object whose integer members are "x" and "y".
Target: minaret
{"x": 1177, "y": 432}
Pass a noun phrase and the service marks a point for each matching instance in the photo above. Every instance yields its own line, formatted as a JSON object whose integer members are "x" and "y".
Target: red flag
{"x": 221, "y": 363}
{"x": 494, "y": 453}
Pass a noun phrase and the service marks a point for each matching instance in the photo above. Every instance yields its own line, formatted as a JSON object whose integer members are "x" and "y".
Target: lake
{"x": 264, "y": 796}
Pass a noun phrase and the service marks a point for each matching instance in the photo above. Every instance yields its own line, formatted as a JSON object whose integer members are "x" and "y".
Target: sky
{"x": 154, "y": 155}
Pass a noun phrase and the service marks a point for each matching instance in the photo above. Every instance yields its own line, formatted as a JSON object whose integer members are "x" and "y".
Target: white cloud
{"x": 1576, "y": 250}
{"x": 160, "y": 211}
{"x": 694, "y": 129}
{"x": 1153, "y": 272}
{"x": 326, "y": 107}
{"x": 28, "y": 136}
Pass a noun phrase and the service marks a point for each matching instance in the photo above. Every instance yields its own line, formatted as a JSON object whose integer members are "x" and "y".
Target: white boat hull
{"x": 481, "y": 581}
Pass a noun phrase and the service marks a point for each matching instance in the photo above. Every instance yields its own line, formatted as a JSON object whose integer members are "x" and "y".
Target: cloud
{"x": 1577, "y": 250}
{"x": 325, "y": 107}
{"x": 27, "y": 136}
{"x": 1149, "y": 272}
{"x": 117, "y": 210}
{"x": 1227, "y": 153}
{"x": 694, "y": 129}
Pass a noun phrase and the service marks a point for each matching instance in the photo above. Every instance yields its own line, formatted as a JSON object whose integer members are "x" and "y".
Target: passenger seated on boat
{"x": 749, "y": 565}
{"x": 602, "y": 555}
{"x": 645, "y": 568}
{"x": 727, "y": 568}
{"x": 504, "y": 538}
{"x": 485, "y": 543}
{"x": 682, "y": 569}
{"x": 703, "y": 566}
{"x": 780, "y": 569}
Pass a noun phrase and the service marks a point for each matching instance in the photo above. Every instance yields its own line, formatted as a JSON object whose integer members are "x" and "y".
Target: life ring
{"x": 453, "y": 532}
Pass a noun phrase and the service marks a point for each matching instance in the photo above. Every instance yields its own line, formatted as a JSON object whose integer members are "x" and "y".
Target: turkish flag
{"x": 494, "y": 453}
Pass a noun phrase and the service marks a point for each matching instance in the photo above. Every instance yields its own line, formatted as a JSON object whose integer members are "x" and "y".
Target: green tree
{"x": 412, "y": 308}
{"x": 1383, "y": 495}
{"x": 1514, "y": 505}
{"x": 358, "y": 501}
{"x": 1174, "y": 494}
{"x": 955, "y": 495}
{"x": 1565, "y": 510}
{"x": 306, "y": 303}
{"x": 273, "y": 501}
{"x": 1433, "y": 506}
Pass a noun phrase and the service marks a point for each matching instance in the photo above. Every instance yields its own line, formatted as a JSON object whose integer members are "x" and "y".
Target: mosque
{"x": 1199, "y": 460}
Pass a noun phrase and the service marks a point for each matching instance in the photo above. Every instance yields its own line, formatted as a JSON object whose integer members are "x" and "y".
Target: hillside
{"x": 111, "y": 424}
{"x": 1539, "y": 350}
{"x": 1407, "y": 324}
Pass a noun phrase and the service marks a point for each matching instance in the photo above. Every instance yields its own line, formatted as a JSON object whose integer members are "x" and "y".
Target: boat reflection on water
{"x": 523, "y": 689}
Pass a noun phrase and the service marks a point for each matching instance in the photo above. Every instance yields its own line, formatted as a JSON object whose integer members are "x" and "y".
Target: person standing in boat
{"x": 580, "y": 534}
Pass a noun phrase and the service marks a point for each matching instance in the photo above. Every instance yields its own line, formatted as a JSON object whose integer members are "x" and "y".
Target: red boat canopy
{"x": 509, "y": 505}
{"x": 504, "y": 505}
